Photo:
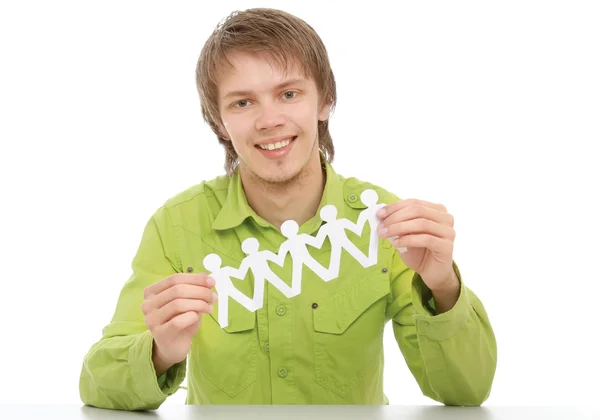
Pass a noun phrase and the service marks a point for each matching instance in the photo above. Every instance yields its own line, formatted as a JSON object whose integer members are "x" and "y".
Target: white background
{"x": 492, "y": 109}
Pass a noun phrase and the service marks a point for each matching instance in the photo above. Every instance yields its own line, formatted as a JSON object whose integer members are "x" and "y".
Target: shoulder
{"x": 205, "y": 190}
{"x": 354, "y": 187}
{"x": 205, "y": 197}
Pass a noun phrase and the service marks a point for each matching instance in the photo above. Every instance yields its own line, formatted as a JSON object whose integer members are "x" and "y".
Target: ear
{"x": 324, "y": 112}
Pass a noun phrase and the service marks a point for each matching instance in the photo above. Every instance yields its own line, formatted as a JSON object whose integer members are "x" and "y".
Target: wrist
{"x": 447, "y": 287}
{"x": 446, "y": 296}
{"x": 161, "y": 364}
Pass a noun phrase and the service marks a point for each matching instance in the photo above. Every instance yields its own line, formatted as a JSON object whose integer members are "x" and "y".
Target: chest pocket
{"x": 348, "y": 333}
{"x": 227, "y": 357}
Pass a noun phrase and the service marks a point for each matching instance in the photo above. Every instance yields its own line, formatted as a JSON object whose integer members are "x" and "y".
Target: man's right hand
{"x": 173, "y": 309}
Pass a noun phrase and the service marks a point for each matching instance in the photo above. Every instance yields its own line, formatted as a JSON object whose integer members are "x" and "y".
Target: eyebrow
{"x": 278, "y": 87}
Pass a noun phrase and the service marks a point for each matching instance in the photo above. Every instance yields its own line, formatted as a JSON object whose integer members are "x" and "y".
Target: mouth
{"x": 277, "y": 149}
{"x": 277, "y": 145}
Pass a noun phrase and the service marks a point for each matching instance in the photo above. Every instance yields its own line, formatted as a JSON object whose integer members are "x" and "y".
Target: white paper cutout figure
{"x": 296, "y": 246}
{"x": 334, "y": 229}
{"x": 225, "y": 288}
{"x": 370, "y": 197}
{"x": 257, "y": 262}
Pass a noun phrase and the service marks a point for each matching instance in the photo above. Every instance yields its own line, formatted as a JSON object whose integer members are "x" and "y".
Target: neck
{"x": 295, "y": 199}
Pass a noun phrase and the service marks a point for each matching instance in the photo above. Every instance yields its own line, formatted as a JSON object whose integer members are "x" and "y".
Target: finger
{"x": 417, "y": 211}
{"x": 179, "y": 291}
{"x": 392, "y": 208}
{"x": 433, "y": 243}
{"x": 181, "y": 322}
{"x": 201, "y": 279}
{"x": 417, "y": 226}
{"x": 176, "y": 307}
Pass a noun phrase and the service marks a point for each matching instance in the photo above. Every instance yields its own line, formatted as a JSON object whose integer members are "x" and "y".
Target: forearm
{"x": 160, "y": 364}
{"x": 452, "y": 354}
{"x": 446, "y": 298}
{"x": 118, "y": 373}
{"x": 459, "y": 351}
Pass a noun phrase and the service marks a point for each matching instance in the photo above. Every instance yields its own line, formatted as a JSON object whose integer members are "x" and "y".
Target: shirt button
{"x": 384, "y": 270}
{"x": 267, "y": 346}
{"x": 190, "y": 269}
{"x": 352, "y": 198}
{"x": 282, "y": 372}
{"x": 280, "y": 310}
{"x": 315, "y": 305}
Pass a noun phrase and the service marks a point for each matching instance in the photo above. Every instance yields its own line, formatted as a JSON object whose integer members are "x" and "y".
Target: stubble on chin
{"x": 282, "y": 183}
{"x": 279, "y": 184}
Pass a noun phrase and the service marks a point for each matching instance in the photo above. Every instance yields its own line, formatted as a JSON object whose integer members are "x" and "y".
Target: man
{"x": 267, "y": 90}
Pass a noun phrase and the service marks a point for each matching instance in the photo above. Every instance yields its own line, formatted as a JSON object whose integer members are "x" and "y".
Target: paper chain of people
{"x": 258, "y": 261}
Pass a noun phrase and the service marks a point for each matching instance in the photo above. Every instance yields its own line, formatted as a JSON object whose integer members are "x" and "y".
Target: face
{"x": 271, "y": 118}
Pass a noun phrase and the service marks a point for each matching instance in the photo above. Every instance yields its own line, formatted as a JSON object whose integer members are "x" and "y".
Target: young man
{"x": 287, "y": 335}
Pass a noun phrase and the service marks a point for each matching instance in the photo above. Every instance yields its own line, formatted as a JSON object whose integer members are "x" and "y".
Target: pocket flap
{"x": 240, "y": 318}
{"x": 335, "y": 313}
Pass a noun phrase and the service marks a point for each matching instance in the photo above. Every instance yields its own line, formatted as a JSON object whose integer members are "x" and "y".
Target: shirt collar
{"x": 236, "y": 209}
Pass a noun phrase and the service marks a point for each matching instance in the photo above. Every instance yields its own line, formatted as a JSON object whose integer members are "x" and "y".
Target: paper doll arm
{"x": 357, "y": 227}
{"x": 277, "y": 258}
{"x": 315, "y": 241}
{"x": 239, "y": 273}
{"x": 453, "y": 355}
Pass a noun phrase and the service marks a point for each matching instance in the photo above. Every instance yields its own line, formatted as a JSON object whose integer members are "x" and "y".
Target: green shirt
{"x": 322, "y": 346}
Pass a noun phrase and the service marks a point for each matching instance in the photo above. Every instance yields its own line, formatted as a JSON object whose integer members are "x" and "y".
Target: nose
{"x": 270, "y": 116}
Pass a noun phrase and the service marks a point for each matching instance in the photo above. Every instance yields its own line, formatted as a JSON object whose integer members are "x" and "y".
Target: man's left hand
{"x": 427, "y": 230}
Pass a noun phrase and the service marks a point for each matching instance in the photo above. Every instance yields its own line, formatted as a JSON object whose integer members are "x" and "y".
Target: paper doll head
{"x": 369, "y": 197}
{"x": 328, "y": 213}
{"x": 212, "y": 262}
{"x": 290, "y": 228}
{"x": 250, "y": 246}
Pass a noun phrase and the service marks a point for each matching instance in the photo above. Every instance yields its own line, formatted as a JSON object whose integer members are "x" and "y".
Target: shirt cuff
{"x": 444, "y": 325}
{"x": 147, "y": 386}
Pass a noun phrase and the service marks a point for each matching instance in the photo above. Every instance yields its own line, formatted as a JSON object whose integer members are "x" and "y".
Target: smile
{"x": 276, "y": 146}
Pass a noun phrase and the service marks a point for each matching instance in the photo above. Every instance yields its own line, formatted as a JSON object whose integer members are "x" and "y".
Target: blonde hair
{"x": 287, "y": 40}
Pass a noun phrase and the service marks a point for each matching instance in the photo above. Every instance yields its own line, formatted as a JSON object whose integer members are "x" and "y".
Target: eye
{"x": 241, "y": 104}
{"x": 290, "y": 95}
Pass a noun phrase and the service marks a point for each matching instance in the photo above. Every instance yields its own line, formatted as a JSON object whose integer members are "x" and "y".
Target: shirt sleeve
{"x": 451, "y": 355}
{"x": 118, "y": 371}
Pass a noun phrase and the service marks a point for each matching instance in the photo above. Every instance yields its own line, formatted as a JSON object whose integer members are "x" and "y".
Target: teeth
{"x": 275, "y": 146}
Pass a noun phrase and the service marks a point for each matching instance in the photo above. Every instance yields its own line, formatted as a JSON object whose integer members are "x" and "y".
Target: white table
{"x": 396, "y": 412}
